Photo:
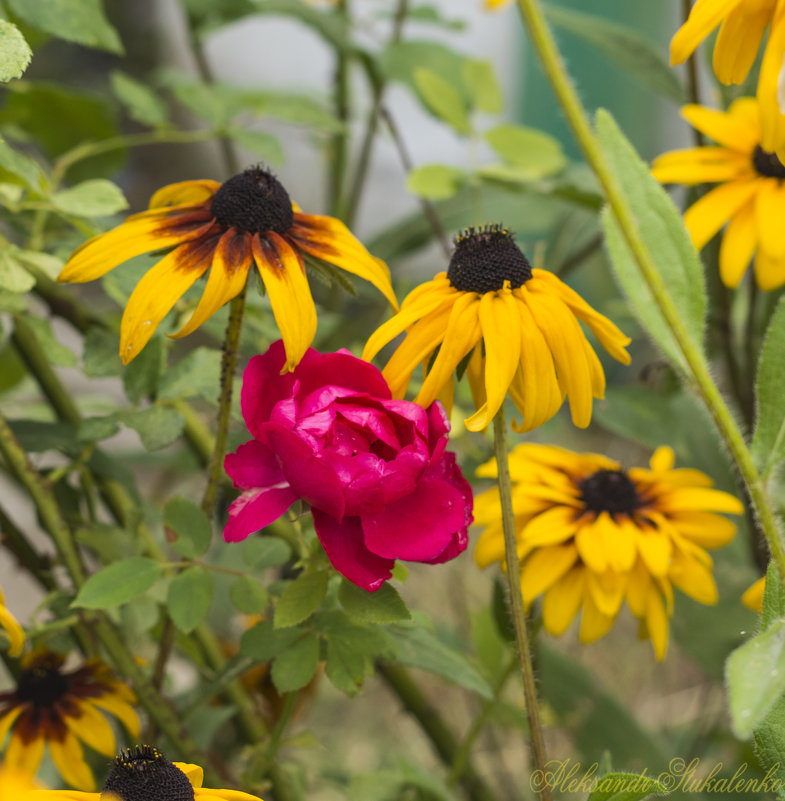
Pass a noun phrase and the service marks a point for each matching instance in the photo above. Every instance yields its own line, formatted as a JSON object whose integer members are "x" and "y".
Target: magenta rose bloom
{"x": 374, "y": 470}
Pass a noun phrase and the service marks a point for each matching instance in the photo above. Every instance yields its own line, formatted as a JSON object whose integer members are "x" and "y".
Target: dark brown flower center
{"x": 253, "y": 201}
{"x": 767, "y": 164}
{"x": 41, "y": 686}
{"x": 610, "y": 491}
{"x": 145, "y": 774}
{"x": 484, "y": 258}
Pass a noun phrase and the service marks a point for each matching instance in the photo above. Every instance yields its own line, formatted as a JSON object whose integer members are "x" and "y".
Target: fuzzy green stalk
{"x": 556, "y": 72}
{"x": 518, "y": 613}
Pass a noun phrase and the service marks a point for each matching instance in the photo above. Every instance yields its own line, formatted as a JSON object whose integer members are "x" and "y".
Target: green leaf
{"x": 442, "y": 99}
{"x": 296, "y": 666}
{"x": 421, "y": 648}
{"x": 636, "y": 55}
{"x": 261, "y": 144}
{"x": 118, "y": 583}
{"x": 189, "y": 598}
{"x": 773, "y": 598}
{"x": 401, "y": 59}
{"x": 300, "y": 599}
{"x": 142, "y": 104}
{"x": 263, "y": 642}
{"x": 211, "y": 102}
{"x": 190, "y": 525}
{"x": 435, "y": 181}
{"x": 57, "y": 353}
{"x": 626, "y": 787}
{"x": 382, "y": 606}
{"x": 768, "y": 441}
{"x": 755, "y": 674}
{"x": 37, "y": 436}
{"x": 15, "y": 53}
{"x": 248, "y": 595}
{"x": 480, "y": 79}
{"x": 11, "y": 194}
{"x": 345, "y": 666}
{"x": 47, "y": 263}
{"x": 93, "y": 429}
{"x": 141, "y": 376}
{"x": 21, "y": 166}
{"x": 95, "y": 198}
{"x": 157, "y": 427}
{"x": 292, "y": 108}
{"x": 266, "y": 551}
{"x": 80, "y": 21}
{"x": 13, "y": 276}
{"x": 770, "y": 743}
{"x": 532, "y": 152}
{"x": 198, "y": 373}
{"x": 662, "y": 230}
{"x": 99, "y": 356}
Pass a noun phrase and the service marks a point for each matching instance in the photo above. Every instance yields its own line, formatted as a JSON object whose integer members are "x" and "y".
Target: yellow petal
{"x": 638, "y": 589}
{"x": 544, "y": 567}
{"x": 290, "y": 296}
{"x": 655, "y": 550}
{"x": 160, "y": 288}
{"x": 185, "y": 193}
{"x": 696, "y": 499}
{"x": 228, "y": 274}
{"x": 769, "y": 273}
{"x": 753, "y": 597}
{"x": 704, "y": 17}
{"x": 619, "y": 539}
{"x": 657, "y": 623}
{"x": 736, "y": 131}
{"x": 591, "y": 546}
{"x": 24, "y": 758}
{"x": 68, "y": 756}
{"x": 769, "y": 208}
{"x": 207, "y": 794}
{"x": 93, "y": 729}
{"x": 703, "y": 528}
{"x": 562, "y": 601}
{"x": 16, "y": 634}
{"x": 698, "y": 165}
{"x": 123, "y": 711}
{"x": 662, "y": 459}
{"x": 693, "y": 578}
{"x": 549, "y": 528}
{"x": 738, "y": 245}
{"x": 606, "y": 590}
{"x": 705, "y": 217}
{"x": 772, "y": 122}
{"x": 330, "y": 240}
{"x": 490, "y": 547}
{"x": 594, "y": 623}
{"x": 460, "y": 336}
{"x": 194, "y": 773}
{"x": 738, "y": 41}
{"x": 8, "y": 720}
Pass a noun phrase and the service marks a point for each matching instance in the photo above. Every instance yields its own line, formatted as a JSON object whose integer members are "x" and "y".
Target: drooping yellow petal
{"x": 619, "y": 541}
{"x": 738, "y": 245}
{"x": 693, "y": 578}
{"x": 704, "y": 528}
{"x": 160, "y": 288}
{"x": 735, "y": 131}
{"x": 184, "y": 193}
{"x": 698, "y": 165}
{"x": 606, "y": 590}
{"x": 490, "y": 547}
{"x": 591, "y": 546}
{"x": 103, "y": 253}
{"x": 544, "y": 567}
{"x": 692, "y": 499}
{"x": 753, "y": 596}
{"x": 594, "y": 623}
{"x": 208, "y": 794}
{"x": 769, "y": 208}
{"x": 657, "y": 622}
{"x": 93, "y": 729}
{"x": 638, "y": 589}
{"x": 705, "y": 217}
{"x": 772, "y": 120}
{"x": 549, "y": 528}
{"x": 500, "y": 324}
{"x": 228, "y": 275}
{"x": 16, "y": 634}
{"x": 475, "y": 375}
{"x": 122, "y": 710}
{"x": 739, "y": 39}
{"x": 194, "y": 773}
{"x": 22, "y": 757}
{"x": 460, "y": 336}
{"x": 330, "y": 240}
{"x": 290, "y": 296}
{"x": 8, "y": 720}
{"x": 769, "y": 273}
{"x": 562, "y": 601}
{"x": 704, "y": 17}
{"x": 655, "y": 550}
{"x": 68, "y": 756}
{"x": 662, "y": 459}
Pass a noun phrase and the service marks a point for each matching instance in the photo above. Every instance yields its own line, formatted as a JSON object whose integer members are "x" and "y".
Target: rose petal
{"x": 340, "y": 369}
{"x": 344, "y": 546}
{"x": 253, "y": 465}
{"x": 264, "y": 386}
{"x": 419, "y": 526}
{"x": 255, "y": 509}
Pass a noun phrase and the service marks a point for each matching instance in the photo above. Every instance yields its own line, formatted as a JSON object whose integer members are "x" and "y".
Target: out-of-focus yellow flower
{"x": 592, "y": 535}
{"x": 16, "y": 635}
{"x": 750, "y": 197}
{"x": 753, "y": 597}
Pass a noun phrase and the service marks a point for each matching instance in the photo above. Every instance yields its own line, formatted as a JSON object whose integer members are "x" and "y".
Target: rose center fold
{"x": 767, "y": 164}
{"x": 145, "y": 774}
{"x": 484, "y": 258}
{"x": 253, "y": 201}
{"x": 609, "y": 491}
{"x": 41, "y": 686}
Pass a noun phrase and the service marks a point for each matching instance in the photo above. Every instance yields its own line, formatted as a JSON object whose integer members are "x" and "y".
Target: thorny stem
{"x": 518, "y": 613}
{"x": 555, "y": 70}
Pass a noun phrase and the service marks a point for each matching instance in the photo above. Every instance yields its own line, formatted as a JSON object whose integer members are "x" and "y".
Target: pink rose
{"x": 374, "y": 470}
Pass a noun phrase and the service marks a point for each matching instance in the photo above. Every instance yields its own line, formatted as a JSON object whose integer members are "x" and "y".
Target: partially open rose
{"x": 374, "y": 470}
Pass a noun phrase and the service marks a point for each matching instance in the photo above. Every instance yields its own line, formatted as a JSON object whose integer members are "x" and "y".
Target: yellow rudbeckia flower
{"x": 592, "y": 535}
{"x": 226, "y": 228}
{"x": 53, "y": 708}
{"x": 514, "y": 328}
{"x": 742, "y": 25}
{"x": 750, "y": 197}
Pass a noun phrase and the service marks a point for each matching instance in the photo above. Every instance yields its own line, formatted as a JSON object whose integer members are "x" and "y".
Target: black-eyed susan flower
{"x": 750, "y": 197}
{"x": 60, "y": 710}
{"x": 753, "y": 596}
{"x": 514, "y": 328}
{"x": 742, "y": 26}
{"x": 228, "y": 227}
{"x": 16, "y": 635}
{"x": 592, "y": 535}
{"x": 145, "y": 774}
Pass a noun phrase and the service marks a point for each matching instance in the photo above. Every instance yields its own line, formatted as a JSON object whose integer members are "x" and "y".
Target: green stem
{"x": 518, "y": 612}
{"x": 465, "y": 748}
{"x": 693, "y": 86}
{"x": 575, "y": 114}
{"x": 339, "y": 144}
{"x": 228, "y": 365}
{"x": 440, "y": 735}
